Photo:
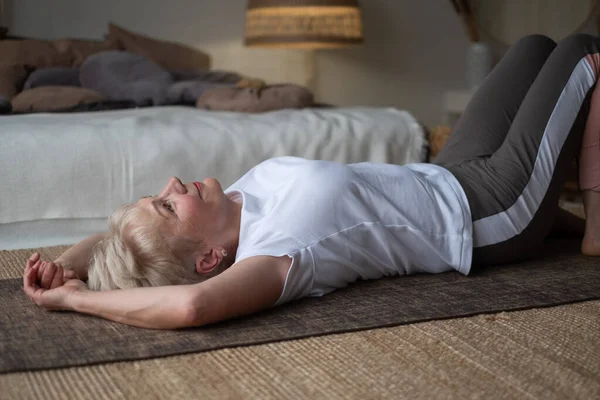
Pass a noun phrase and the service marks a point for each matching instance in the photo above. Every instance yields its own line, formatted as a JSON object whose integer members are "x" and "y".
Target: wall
{"x": 413, "y": 52}
{"x": 512, "y": 19}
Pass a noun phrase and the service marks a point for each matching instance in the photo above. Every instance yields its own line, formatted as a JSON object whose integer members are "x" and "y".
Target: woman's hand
{"x": 55, "y": 291}
{"x": 50, "y": 274}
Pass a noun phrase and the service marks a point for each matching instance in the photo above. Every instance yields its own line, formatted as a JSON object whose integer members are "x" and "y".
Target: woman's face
{"x": 196, "y": 210}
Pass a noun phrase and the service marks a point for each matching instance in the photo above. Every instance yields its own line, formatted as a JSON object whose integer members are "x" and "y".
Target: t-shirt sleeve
{"x": 299, "y": 279}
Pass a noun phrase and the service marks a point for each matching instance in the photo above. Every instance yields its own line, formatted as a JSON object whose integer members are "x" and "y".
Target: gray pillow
{"x": 52, "y": 76}
{"x": 121, "y": 75}
{"x": 187, "y": 92}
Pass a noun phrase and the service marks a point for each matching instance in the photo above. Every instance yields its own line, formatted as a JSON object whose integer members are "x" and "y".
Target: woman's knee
{"x": 580, "y": 41}
{"x": 534, "y": 48}
{"x": 535, "y": 40}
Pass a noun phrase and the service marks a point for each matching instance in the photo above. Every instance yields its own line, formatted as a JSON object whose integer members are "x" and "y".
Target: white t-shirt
{"x": 343, "y": 222}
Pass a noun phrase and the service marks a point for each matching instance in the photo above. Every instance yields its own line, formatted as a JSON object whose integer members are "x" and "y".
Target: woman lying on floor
{"x": 292, "y": 228}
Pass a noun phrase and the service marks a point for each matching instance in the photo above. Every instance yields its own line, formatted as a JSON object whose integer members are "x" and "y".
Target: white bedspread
{"x": 61, "y": 175}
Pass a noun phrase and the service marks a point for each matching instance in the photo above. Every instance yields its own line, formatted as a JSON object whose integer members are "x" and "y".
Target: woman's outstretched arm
{"x": 77, "y": 257}
{"x": 162, "y": 307}
{"x": 248, "y": 286}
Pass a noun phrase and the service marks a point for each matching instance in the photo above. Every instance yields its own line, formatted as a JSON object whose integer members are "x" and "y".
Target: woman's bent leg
{"x": 514, "y": 194}
{"x": 483, "y": 126}
{"x": 589, "y": 171}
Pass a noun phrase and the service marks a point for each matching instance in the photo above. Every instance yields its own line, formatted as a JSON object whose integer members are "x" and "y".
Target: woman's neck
{"x": 233, "y": 232}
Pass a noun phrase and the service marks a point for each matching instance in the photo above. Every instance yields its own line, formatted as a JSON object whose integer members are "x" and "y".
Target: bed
{"x": 61, "y": 175}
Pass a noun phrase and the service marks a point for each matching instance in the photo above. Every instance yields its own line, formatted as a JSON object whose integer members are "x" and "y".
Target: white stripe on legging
{"x": 503, "y": 226}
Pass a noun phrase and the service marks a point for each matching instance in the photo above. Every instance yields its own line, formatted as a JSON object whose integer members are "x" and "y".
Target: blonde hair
{"x": 135, "y": 254}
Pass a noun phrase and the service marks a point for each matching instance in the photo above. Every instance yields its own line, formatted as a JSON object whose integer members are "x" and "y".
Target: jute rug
{"x": 33, "y": 339}
{"x": 548, "y": 353}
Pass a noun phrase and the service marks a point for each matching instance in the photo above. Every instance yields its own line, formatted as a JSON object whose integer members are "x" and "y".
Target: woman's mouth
{"x": 199, "y": 187}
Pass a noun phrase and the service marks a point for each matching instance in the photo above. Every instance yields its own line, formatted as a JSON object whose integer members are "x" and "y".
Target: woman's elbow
{"x": 190, "y": 316}
{"x": 191, "y": 313}
{"x": 182, "y": 314}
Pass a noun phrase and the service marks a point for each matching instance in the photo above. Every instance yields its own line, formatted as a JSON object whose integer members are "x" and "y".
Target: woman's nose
{"x": 176, "y": 185}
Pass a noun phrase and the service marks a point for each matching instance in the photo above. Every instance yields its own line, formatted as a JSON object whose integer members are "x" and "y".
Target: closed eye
{"x": 167, "y": 204}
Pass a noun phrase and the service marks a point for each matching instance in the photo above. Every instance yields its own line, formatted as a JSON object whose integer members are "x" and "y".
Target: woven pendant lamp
{"x": 308, "y": 24}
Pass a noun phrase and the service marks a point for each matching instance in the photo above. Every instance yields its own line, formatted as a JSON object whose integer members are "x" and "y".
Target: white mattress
{"x": 61, "y": 175}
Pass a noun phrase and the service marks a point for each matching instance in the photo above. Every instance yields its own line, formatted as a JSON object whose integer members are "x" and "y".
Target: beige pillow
{"x": 52, "y": 98}
{"x": 252, "y": 100}
{"x": 12, "y": 78}
{"x": 171, "y": 56}
{"x": 33, "y": 54}
{"x": 251, "y": 83}
{"x": 78, "y": 50}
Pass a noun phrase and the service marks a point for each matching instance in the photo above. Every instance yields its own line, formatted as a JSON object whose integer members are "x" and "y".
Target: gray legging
{"x": 511, "y": 148}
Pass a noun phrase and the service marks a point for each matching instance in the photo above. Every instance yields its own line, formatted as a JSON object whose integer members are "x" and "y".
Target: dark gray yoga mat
{"x": 32, "y": 339}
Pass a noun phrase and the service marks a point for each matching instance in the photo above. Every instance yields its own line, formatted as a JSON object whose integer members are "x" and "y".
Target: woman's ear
{"x": 209, "y": 260}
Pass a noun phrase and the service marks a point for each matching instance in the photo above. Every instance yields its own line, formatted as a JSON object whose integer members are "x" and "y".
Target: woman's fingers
{"x": 57, "y": 280}
{"x": 33, "y": 259}
{"x": 70, "y": 274}
{"x": 28, "y": 271}
{"x": 48, "y": 275}
{"x": 29, "y": 285}
{"x": 41, "y": 269}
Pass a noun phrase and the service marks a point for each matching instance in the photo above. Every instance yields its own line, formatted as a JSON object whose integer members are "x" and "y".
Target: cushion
{"x": 33, "y": 53}
{"x": 169, "y": 55}
{"x": 437, "y": 139}
{"x": 207, "y": 76}
{"x": 53, "y": 76}
{"x": 251, "y": 83}
{"x": 52, "y": 98}
{"x": 11, "y": 79}
{"x": 78, "y": 50}
{"x": 120, "y": 75}
{"x": 188, "y": 92}
{"x": 269, "y": 98}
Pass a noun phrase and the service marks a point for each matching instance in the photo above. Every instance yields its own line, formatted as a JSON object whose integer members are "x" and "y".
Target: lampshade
{"x": 303, "y": 23}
